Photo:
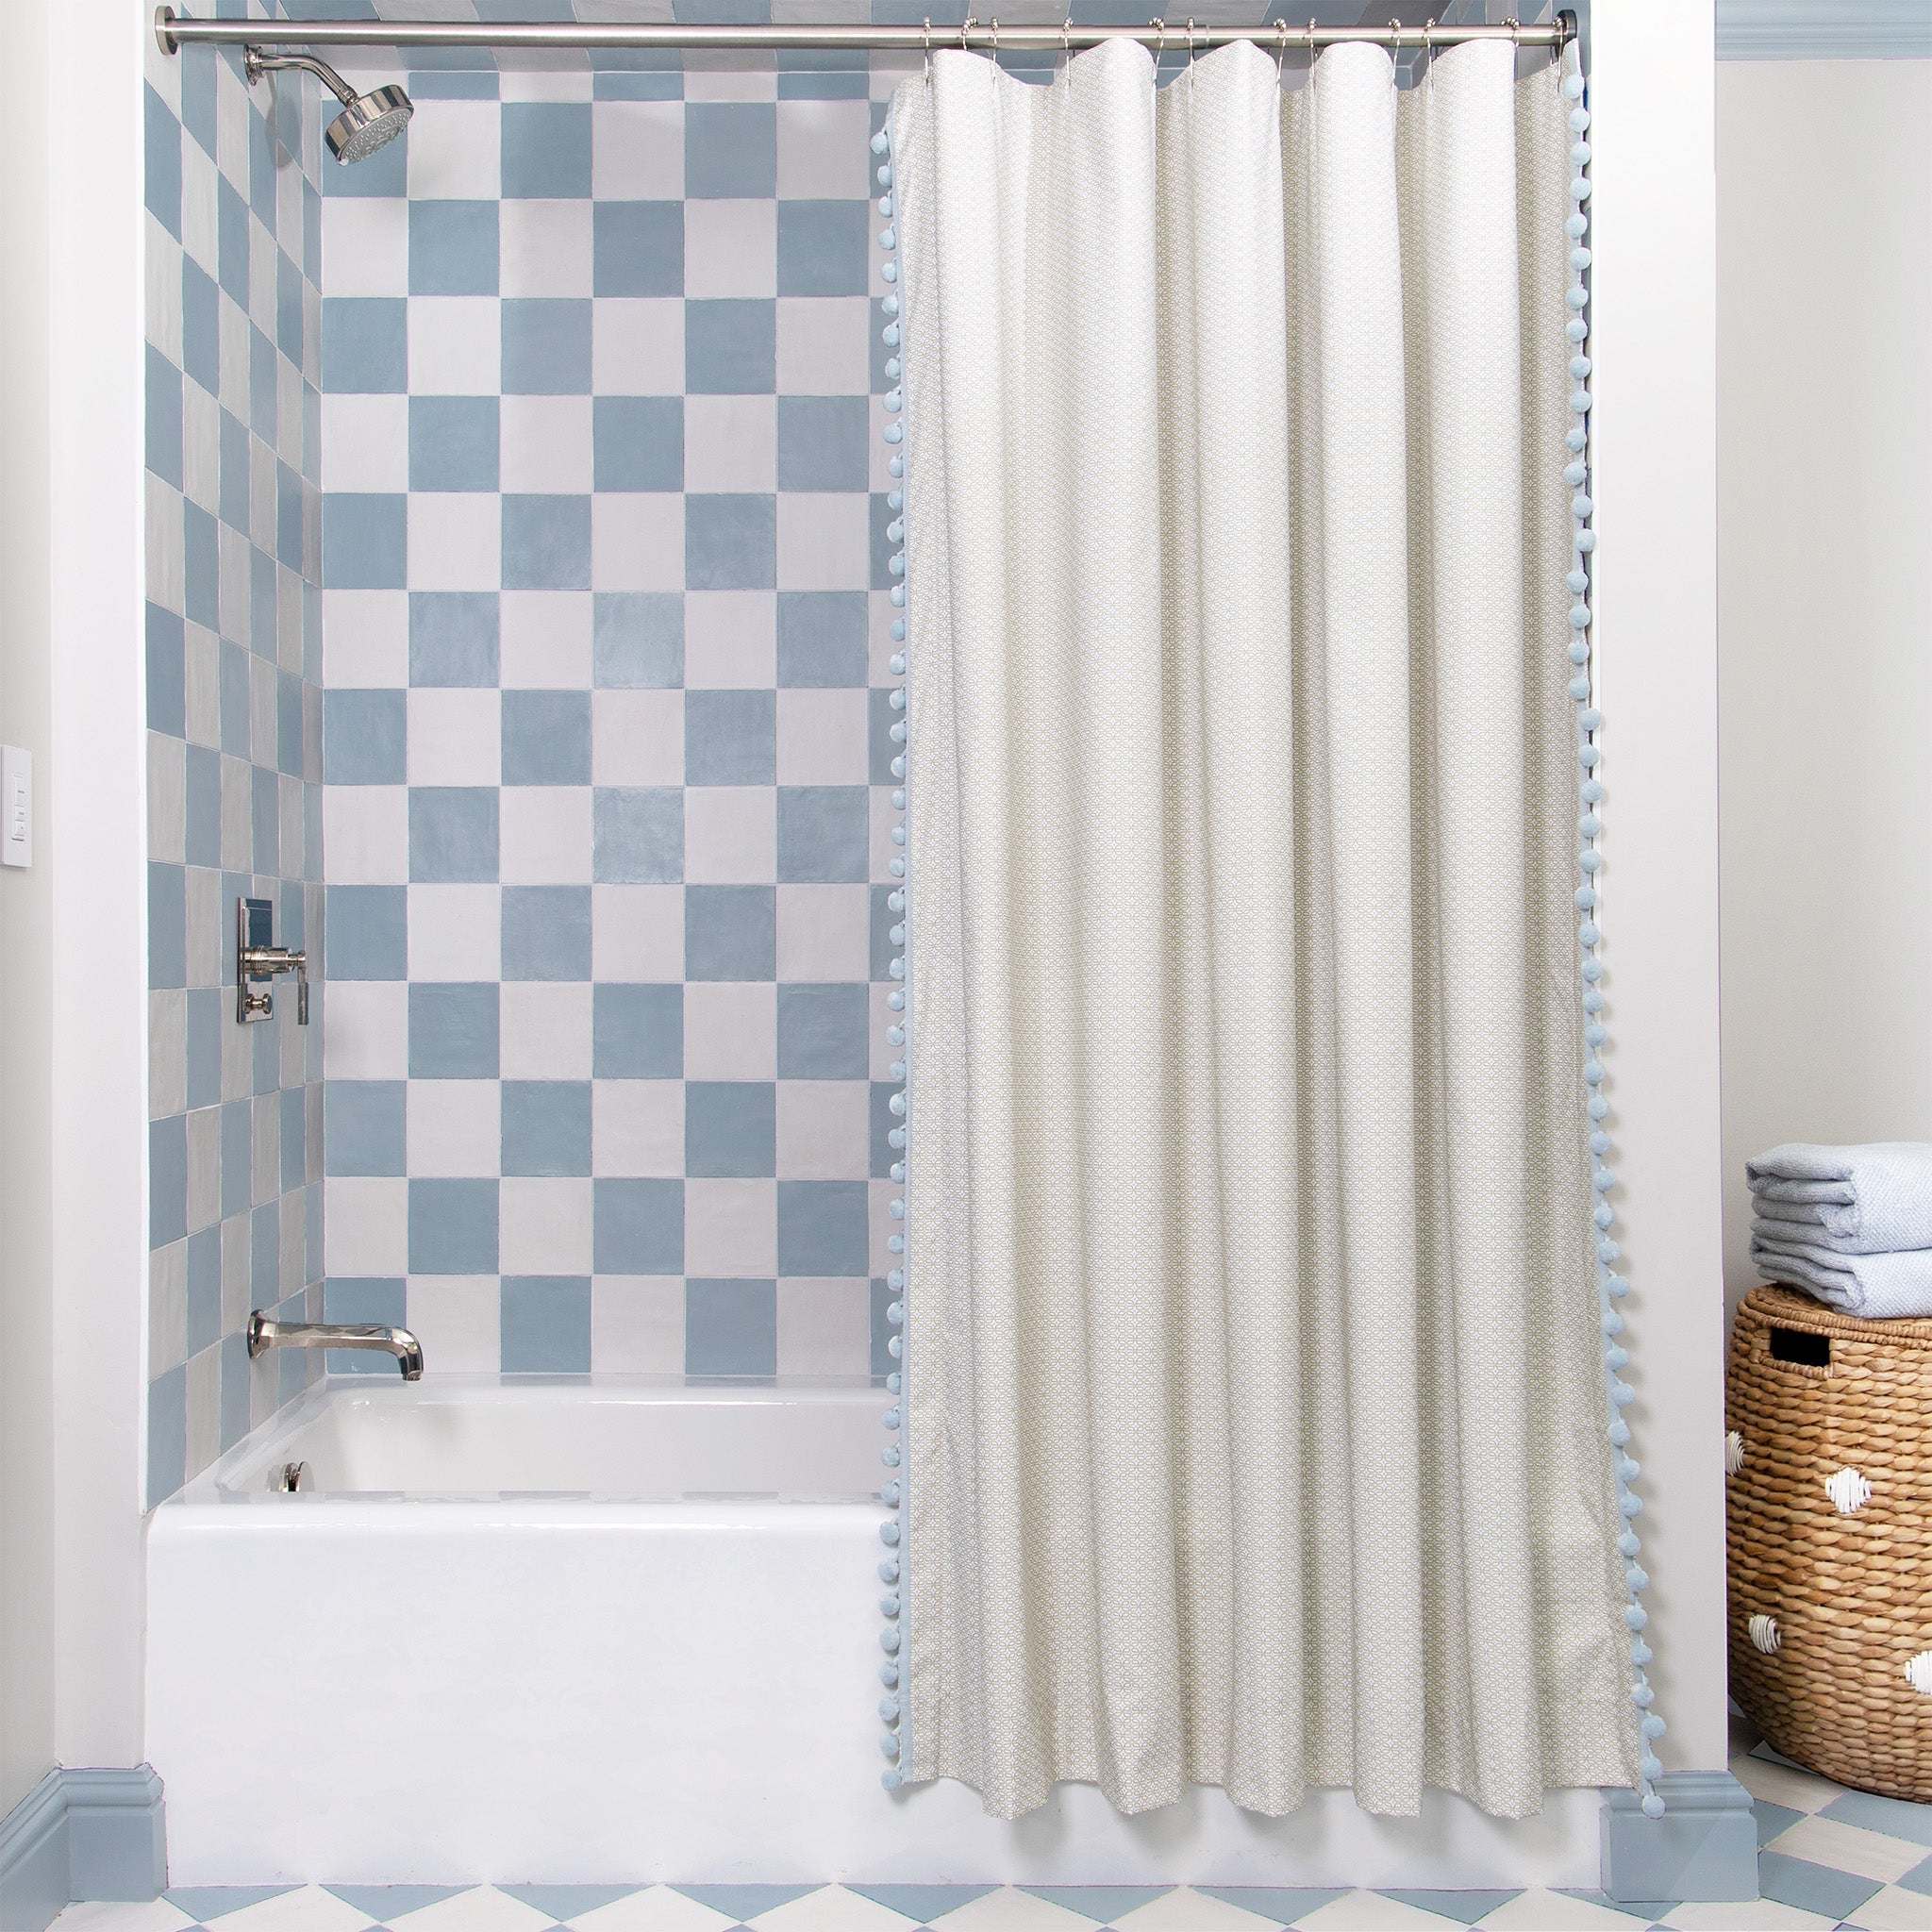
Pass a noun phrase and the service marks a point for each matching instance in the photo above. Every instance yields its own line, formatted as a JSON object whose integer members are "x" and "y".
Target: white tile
{"x": 730, "y": 1030}
{"x": 454, "y": 932}
{"x": 366, "y": 1036}
{"x": 201, "y": 447}
{"x": 1894, "y": 1910}
{"x": 822, "y": 737}
{"x": 637, "y": 341}
{"x": 637, "y": 540}
{"x": 365, "y": 441}
{"x": 455, "y": 735}
{"x": 731, "y": 74}
{"x": 637, "y": 1328}
{"x": 1757, "y": 1915}
{"x": 365, "y": 249}
{"x": 636, "y": 1128}
{"x": 658, "y": 1907}
{"x": 825, "y": 1328}
{"x": 825, "y": 151}
{"x": 546, "y": 440}
{"x": 823, "y": 344}
{"x": 454, "y": 151}
{"x": 452, "y": 1128}
{"x": 1010, "y": 1909}
{"x": 365, "y": 639}
{"x": 637, "y": 738}
{"x": 730, "y": 640}
{"x": 544, "y": 1225}
{"x": 533, "y": 74}
{"x": 637, "y": 932}
{"x": 309, "y": 1908}
{"x": 1369, "y": 1911}
{"x": 824, "y": 1129}
{"x": 1849, "y": 1848}
{"x": 730, "y": 1228}
{"x": 365, "y": 831}
{"x": 730, "y": 835}
{"x": 143, "y": 1915}
{"x": 1783, "y": 1783}
{"x": 1538, "y": 1910}
{"x": 546, "y": 248}
{"x": 456, "y": 1318}
{"x": 637, "y": 150}
{"x": 825, "y": 540}
{"x": 1182, "y": 1910}
{"x": 545, "y": 835}
{"x": 545, "y": 641}
{"x": 545, "y": 1030}
{"x": 456, "y": 540}
{"x": 824, "y": 933}
{"x": 730, "y": 248}
{"x": 830, "y": 1908}
{"x": 366, "y": 1225}
{"x": 455, "y": 345}
{"x": 482, "y": 1908}
{"x": 731, "y": 443}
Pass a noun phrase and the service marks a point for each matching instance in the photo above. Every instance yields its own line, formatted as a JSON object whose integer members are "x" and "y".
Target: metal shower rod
{"x": 176, "y": 31}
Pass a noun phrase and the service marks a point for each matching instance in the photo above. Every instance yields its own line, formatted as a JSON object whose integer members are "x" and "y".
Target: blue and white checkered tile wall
{"x": 234, "y": 743}
{"x": 605, "y": 745}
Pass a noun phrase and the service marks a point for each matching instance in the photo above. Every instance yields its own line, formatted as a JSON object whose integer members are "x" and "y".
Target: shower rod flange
{"x": 174, "y": 31}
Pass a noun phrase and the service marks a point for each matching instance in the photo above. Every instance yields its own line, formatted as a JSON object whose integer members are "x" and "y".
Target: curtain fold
{"x": 1252, "y": 1401}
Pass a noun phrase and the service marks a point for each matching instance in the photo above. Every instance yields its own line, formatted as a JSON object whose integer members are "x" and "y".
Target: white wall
{"x": 1824, "y": 253}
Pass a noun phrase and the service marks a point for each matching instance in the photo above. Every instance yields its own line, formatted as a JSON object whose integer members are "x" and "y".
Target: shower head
{"x": 367, "y": 120}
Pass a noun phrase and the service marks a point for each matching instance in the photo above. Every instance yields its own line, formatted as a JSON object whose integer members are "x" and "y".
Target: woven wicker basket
{"x": 1830, "y": 1539}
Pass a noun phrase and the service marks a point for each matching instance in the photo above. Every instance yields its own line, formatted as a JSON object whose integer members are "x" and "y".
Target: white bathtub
{"x": 623, "y": 1631}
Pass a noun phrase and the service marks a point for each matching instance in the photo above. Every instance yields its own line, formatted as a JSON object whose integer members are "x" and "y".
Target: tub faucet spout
{"x": 264, "y": 1334}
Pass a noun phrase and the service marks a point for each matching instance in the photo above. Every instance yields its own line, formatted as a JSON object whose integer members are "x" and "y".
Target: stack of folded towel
{"x": 1852, "y": 1225}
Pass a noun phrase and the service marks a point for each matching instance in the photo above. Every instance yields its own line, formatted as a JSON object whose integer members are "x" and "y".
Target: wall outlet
{"x": 16, "y": 806}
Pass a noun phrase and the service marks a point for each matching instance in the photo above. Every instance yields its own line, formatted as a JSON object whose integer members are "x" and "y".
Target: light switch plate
{"x": 16, "y": 806}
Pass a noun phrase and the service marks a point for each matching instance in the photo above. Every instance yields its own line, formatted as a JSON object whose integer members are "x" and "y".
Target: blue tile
{"x": 1461, "y": 1908}
{"x": 546, "y": 543}
{"x": 730, "y": 542}
{"x": 822, "y": 1032}
{"x": 200, "y": 325}
{"x": 1772, "y": 1819}
{"x": 546, "y": 932}
{"x": 821, "y": 87}
{"x": 233, "y": 241}
{"x": 730, "y": 150}
{"x": 822, "y": 637}
{"x": 384, "y": 175}
{"x": 1099, "y": 1903}
{"x": 366, "y": 929}
{"x": 362, "y": 1127}
{"x": 1812, "y": 1887}
{"x": 731, "y": 346}
{"x": 453, "y": 834}
{"x": 167, "y": 703}
{"x": 357, "y": 1298}
{"x": 637, "y": 640}
{"x": 453, "y": 1029}
{"x": 546, "y": 1127}
{"x": 383, "y": 1903}
{"x": 546, "y": 737}
{"x": 822, "y": 247}
{"x": 637, "y": 248}
{"x": 730, "y": 1129}
{"x": 363, "y": 736}
{"x": 453, "y": 442}
{"x": 167, "y": 1167}
{"x": 739, "y": 1900}
{"x": 544, "y": 1324}
{"x": 822, "y": 834}
{"x": 567, "y": 1900}
{"x": 200, "y": 566}
{"x": 636, "y": 1031}
{"x": 638, "y": 442}
{"x": 365, "y": 344}
{"x": 452, "y": 247}
{"x": 547, "y": 150}
{"x": 167, "y": 925}
{"x": 454, "y": 638}
{"x": 289, "y": 723}
{"x": 731, "y": 1328}
{"x": 238, "y": 1152}
{"x": 451, "y": 1227}
{"x": 364, "y": 540}
{"x": 1282, "y": 1903}
{"x": 1894, "y": 1816}
{"x": 636, "y": 1227}
{"x": 547, "y": 346}
{"x": 730, "y": 736}
{"x": 261, "y": 166}
{"x": 162, "y": 435}
{"x": 208, "y": 1902}
{"x": 628, "y": 86}
{"x": 821, "y": 442}
{"x": 167, "y": 1433}
{"x": 730, "y": 932}
{"x": 233, "y": 671}
{"x": 822, "y": 1227}
{"x": 637, "y": 835}
{"x": 161, "y": 170}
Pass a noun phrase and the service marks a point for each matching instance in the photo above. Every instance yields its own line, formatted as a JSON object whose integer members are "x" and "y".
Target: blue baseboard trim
{"x": 82, "y": 1834}
{"x": 1704, "y": 1848}
{"x": 1823, "y": 29}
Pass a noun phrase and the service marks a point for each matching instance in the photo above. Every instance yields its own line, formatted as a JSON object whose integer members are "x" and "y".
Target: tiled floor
{"x": 1832, "y": 1858}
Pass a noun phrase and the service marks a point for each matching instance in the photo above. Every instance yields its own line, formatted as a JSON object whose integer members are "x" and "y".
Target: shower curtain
{"x": 1254, "y": 1406}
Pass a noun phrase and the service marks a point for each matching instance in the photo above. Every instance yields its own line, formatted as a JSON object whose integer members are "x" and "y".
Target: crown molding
{"x": 1823, "y": 29}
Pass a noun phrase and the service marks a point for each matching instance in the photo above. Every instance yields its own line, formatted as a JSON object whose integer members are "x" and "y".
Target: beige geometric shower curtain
{"x": 1254, "y": 1404}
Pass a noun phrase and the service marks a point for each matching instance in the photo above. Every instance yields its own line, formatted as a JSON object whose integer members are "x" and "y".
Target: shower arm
{"x": 255, "y": 63}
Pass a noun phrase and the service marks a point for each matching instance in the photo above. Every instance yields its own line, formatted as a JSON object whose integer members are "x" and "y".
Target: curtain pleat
{"x": 1253, "y": 1407}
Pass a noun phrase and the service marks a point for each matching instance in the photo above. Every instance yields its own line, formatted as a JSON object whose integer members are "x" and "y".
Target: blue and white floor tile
{"x": 1832, "y": 1860}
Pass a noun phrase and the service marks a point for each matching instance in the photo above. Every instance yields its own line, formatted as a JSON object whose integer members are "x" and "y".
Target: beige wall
{"x": 1824, "y": 495}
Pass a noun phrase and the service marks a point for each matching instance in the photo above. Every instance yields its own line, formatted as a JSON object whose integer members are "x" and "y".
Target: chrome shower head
{"x": 367, "y": 120}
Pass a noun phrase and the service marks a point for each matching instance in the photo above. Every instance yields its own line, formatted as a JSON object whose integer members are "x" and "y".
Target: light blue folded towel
{"x": 1872, "y": 1200}
{"x": 1878, "y": 1285}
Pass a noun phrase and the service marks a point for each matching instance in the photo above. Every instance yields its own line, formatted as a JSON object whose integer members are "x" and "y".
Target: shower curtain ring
{"x": 995, "y": 40}
{"x": 1159, "y": 27}
{"x": 966, "y": 35}
{"x": 1515, "y": 27}
{"x": 1280, "y": 48}
{"x": 927, "y": 30}
{"x": 1190, "y": 46}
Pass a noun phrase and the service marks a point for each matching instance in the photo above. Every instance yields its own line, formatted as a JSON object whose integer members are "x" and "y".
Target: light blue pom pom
{"x": 1579, "y": 260}
{"x": 888, "y": 240}
{"x": 899, "y": 766}
{"x": 893, "y": 1384}
{"x": 889, "y": 1494}
{"x": 1579, "y": 119}
{"x": 898, "y": 594}
{"x": 889, "y": 335}
{"x": 1578, "y": 651}
{"x": 896, "y": 698}
{"x": 1590, "y": 719}
{"x": 896, "y": 530}
{"x": 880, "y": 141}
{"x": 1579, "y": 617}
{"x": 1652, "y": 1805}
{"x": 1594, "y": 1035}
{"x": 891, "y": 1780}
{"x": 1652, "y": 1727}
{"x": 1628, "y": 1544}
{"x": 897, "y": 628}
{"x": 1617, "y": 1287}
{"x": 1577, "y": 295}
{"x": 1612, "y": 1322}
{"x": 1602, "y": 1214}
{"x": 896, "y": 866}
{"x": 895, "y": 466}
{"x": 889, "y": 1676}
{"x": 889, "y": 271}
{"x": 1599, "y": 1143}
{"x": 1578, "y": 689}
{"x": 1600, "y": 1178}
{"x": 889, "y": 1419}
{"x": 1577, "y": 582}
{"x": 896, "y": 499}
{"x": 889, "y": 1456}
{"x": 896, "y": 1173}
{"x": 1642, "y": 1696}
{"x": 1577, "y": 226}
{"x": 896, "y": 731}
{"x": 1597, "y": 1107}
{"x": 1592, "y": 1072}
{"x": 895, "y": 1036}
{"x": 897, "y": 1102}
{"x": 1617, "y": 1356}
{"x": 889, "y": 1707}
{"x": 1577, "y": 328}
{"x": 1586, "y": 541}
{"x": 1593, "y": 790}
{"x": 886, "y": 206}
{"x": 1579, "y": 188}
{"x": 895, "y": 1279}
{"x": 1589, "y": 825}
{"x": 1573, "y": 473}
{"x": 1649, "y": 1767}
{"x": 894, "y": 400}
{"x": 1581, "y": 505}
{"x": 1588, "y": 756}
{"x": 888, "y": 1569}
{"x": 1579, "y": 154}
{"x": 1579, "y": 366}
{"x": 889, "y": 1743}
{"x": 894, "y": 432}
{"x": 1636, "y": 1616}
{"x": 1630, "y": 1506}
{"x": 896, "y": 1135}
{"x": 1637, "y": 1578}
{"x": 896, "y": 663}
{"x": 1573, "y": 87}
{"x": 1592, "y": 969}
{"x": 889, "y": 1535}
{"x": 1585, "y": 897}
{"x": 1623, "y": 1395}
{"x": 1579, "y": 398}
{"x": 1587, "y": 934}
{"x": 898, "y": 835}
{"x": 1607, "y": 1251}
{"x": 897, "y": 933}
{"x": 1590, "y": 861}
{"x": 895, "y": 1244}
{"x": 1619, "y": 1433}
{"x": 890, "y": 304}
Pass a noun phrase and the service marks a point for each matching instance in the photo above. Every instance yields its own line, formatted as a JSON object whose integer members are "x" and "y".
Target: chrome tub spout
{"x": 264, "y": 1334}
